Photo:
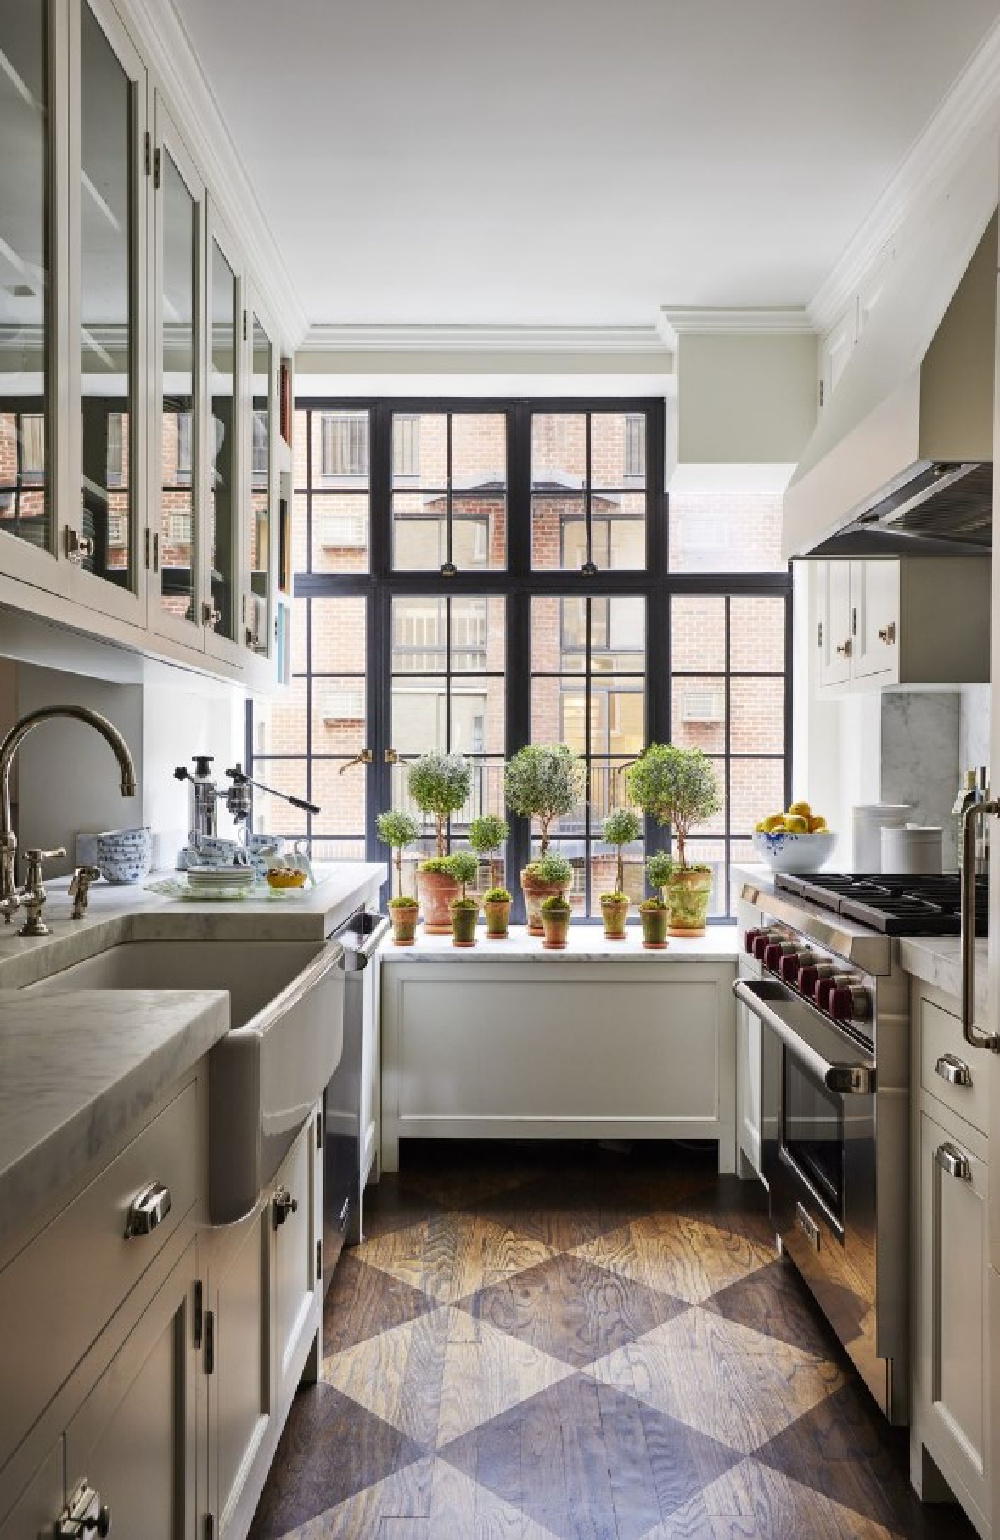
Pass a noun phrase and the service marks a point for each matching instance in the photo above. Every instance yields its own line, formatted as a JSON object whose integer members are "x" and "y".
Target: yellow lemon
{"x": 775, "y": 821}
{"x": 817, "y": 825}
{"x": 795, "y": 824}
{"x": 801, "y": 809}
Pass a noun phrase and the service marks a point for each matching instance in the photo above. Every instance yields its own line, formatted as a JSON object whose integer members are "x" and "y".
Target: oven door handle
{"x": 843, "y": 1079}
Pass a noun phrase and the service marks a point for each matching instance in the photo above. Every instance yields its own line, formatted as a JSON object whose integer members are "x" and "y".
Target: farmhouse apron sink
{"x": 285, "y": 1039}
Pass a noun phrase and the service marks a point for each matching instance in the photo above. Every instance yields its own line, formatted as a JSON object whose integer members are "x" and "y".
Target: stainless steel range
{"x": 832, "y": 1002}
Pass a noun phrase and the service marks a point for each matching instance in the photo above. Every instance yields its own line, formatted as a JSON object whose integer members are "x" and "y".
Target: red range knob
{"x": 774, "y": 952}
{"x": 850, "y": 1002}
{"x": 749, "y": 938}
{"x": 790, "y": 965}
{"x": 761, "y": 942}
{"x": 825, "y": 987}
{"x": 810, "y": 975}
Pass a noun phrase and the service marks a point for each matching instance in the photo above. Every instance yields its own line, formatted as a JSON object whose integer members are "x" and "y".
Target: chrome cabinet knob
{"x": 282, "y": 1205}
{"x": 83, "y": 1515}
{"x": 953, "y": 1069}
{"x": 148, "y": 1209}
{"x": 953, "y": 1160}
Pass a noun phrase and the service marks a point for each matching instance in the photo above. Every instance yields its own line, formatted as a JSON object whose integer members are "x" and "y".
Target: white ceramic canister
{"x": 911, "y": 849}
{"x": 867, "y": 821}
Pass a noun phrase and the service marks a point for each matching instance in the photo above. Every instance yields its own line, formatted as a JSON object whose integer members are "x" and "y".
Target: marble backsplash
{"x": 920, "y": 754}
{"x": 974, "y": 726}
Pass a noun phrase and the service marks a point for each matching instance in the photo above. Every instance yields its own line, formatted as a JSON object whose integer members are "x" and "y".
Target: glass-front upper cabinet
{"x": 177, "y": 448}
{"x": 225, "y": 321}
{"x": 261, "y": 483}
{"x": 26, "y": 502}
{"x": 109, "y": 256}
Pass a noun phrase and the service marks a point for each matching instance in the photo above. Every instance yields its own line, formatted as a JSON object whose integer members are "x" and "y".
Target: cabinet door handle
{"x": 887, "y": 634}
{"x": 210, "y": 615}
{"x": 953, "y": 1069}
{"x": 845, "y": 648}
{"x": 283, "y": 1204}
{"x": 83, "y": 1515}
{"x": 148, "y": 1209}
{"x": 951, "y": 1159}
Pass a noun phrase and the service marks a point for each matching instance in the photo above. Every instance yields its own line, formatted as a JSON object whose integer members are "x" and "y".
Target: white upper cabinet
{"x": 138, "y": 358}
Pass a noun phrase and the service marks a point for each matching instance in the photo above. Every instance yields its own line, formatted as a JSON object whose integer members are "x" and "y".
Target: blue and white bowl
{"x": 783, "y": 851}
{"x": 124, "y": 855}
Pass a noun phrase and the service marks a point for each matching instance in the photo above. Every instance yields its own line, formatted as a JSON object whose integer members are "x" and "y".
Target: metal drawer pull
{"x": 952, "y": 1160}
{"x": 148, "y": 1209}
{"x": 84, "y": 1514}
{"x": 284, "y": 1204}
{"x": 953, "y": 1069}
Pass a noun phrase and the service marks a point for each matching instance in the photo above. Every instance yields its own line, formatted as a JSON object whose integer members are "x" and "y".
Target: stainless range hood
{"x": 900, "y": 462}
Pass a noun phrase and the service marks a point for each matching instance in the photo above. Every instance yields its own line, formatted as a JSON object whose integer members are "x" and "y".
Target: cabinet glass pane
{"x": 107, "y": 352}
{"x": 24, "y": 273}
{"x": 178, "y": 449}
{"x": 259, "y": 531}
{"x": 222, "y": 443}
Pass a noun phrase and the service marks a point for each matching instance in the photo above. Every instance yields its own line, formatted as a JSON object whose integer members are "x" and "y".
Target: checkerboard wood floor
{"x": 571, "y": 1342}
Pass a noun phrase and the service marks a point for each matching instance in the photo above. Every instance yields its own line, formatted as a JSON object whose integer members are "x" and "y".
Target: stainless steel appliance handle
{"x": 951, "y": 1159}
{"x": 844, "y": 1079}
{"x": 969, "y": 1030}
{"x": 953, "y": 1069}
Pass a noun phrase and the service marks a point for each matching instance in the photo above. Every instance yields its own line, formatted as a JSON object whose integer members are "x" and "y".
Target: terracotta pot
{"x": 404, "y": 924}
{"x": 555, "y": 929}
{"x": 687, "y": 895}
{"x": 654, "y": 927}
{"x": 463, "y": 924}
{"x": 534, "y": 892}
{"x": 437, "y": 891}
{"x": 497, "y": 913}
{"x": 614, "y": 912}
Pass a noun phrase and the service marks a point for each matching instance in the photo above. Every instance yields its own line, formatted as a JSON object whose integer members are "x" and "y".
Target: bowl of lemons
{"x": 796, "y": 841}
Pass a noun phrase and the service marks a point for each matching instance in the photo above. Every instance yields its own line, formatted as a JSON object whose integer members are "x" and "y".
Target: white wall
{"x": 181, "y": 717}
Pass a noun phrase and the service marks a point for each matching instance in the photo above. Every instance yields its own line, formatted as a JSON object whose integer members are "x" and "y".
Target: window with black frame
{"x": 472, "y": 576}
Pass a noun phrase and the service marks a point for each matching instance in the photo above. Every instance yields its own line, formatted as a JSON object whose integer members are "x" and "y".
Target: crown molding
{"x": 968, "y": 114}
{"x": 483, "y": 339}
{"x": 162, "y": 38}
{"x": 676, "y": 321}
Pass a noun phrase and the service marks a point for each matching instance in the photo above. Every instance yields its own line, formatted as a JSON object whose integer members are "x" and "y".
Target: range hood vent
{"x": 900, "y": 462}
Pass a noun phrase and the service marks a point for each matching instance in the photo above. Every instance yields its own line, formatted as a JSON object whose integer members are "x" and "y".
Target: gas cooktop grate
{"x": 895, "y": 904}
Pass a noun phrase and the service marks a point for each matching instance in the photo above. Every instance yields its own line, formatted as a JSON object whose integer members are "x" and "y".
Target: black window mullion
{"x": 587, "y": 743}
{"x": 588, "y": 506}
{"x": 449, "y": 541}
{"x": 728, "y": 763}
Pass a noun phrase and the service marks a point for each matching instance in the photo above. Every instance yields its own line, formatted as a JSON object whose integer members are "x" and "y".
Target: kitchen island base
{"x": 641, "y": 1048}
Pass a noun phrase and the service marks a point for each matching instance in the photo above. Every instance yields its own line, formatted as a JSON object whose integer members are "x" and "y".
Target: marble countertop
{"x": 77, "y": 1068}
{"x": 586, "y": 943}
{"x": 125, "y": 1047}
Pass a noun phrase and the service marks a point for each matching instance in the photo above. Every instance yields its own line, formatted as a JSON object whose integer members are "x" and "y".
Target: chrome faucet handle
{"x": 79, "y": 889}
{"x": 34, "y": 895}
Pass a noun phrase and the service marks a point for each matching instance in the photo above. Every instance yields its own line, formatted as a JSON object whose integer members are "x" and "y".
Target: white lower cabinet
{"x": 36, "y": 1510}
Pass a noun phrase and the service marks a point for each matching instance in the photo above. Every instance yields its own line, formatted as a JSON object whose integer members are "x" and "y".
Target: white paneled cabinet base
{"x": 911, "y": 621}
{"x": 139, "y": 450}
{"x": 558, "y": 1051}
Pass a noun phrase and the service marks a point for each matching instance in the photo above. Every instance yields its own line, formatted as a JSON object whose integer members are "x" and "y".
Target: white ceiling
{"x": 571, "y": 161}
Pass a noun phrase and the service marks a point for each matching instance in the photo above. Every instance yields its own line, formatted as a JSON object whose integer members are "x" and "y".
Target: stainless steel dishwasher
{"x": 346, "y": 1162}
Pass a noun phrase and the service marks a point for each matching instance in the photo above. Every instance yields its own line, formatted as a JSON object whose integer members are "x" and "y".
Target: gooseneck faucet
{"x": 10, "y": 897}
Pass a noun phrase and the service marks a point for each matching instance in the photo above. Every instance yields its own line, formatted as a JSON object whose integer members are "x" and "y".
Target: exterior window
{"x": 345, "y": 444}
{"x": 114, "y": 471}
{"x": 259, "y": 448}
{"x": 485, "y": 634}
{"x": 183, "y": 448}
{"x": 33, "y": 448}
{"x": 179, "y": 528}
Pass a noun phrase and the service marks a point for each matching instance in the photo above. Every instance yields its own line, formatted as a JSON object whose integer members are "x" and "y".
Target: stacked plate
{"x": 213, "y": 879}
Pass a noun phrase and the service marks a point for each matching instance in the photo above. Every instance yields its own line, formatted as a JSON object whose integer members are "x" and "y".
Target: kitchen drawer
{"x": 941, "y": 1039}
{"x": 60, "y": 1291}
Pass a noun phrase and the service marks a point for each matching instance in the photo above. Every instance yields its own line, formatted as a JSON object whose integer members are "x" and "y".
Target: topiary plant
{"x": 544, "y": 781}
{"x": 496, "y": 896}
{"x": 658, "y": 869}
{"x": 463, "y": 866}
{"x": 487, "y": 833}
{"x": 397, "y": 830}
{"x": 620, "y": 828}
{"x": 555, "y": 904}
{"x": 677, "y": 787}
{"x": 439, "y": 784}
{"x": 551, "y": 869}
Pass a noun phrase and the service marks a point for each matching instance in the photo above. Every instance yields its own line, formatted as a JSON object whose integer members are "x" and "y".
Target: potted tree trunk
{"x": 654, "y": 912}
{"x": 555, "y": 922}
{"x": 439, "y": 785}
{"x": 486, "y": 834}
{"x": 620, "y": 828}
{"x": 678, "y": 787}
{"x": 544, "y": 782}
{"x": 463, "y": 866}
{"x": 397, "y": 829}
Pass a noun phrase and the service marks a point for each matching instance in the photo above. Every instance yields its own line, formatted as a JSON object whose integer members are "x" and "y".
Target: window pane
{"x": 340, "y": 523}
{"x": 106, "y": 254}
{"x": 419, "y": 531}
{"x": 607, "y": 788}
{"x": 479, "y": 532}
{"x": 338, "y": 715}
{"x": 419, "y": 635}
{"x": 698, "y": 633}
{"x": 558, "y": 533}
{"x": 758, "y": 788}
{"x": 300, "y": 532}
{"x": 618, "y": 531}
{"x": 270, "y": 814}
{"x": 341, "y": 797}
{"x": 698, "y": 713}
{"x": 758, "y": 725}
{"x": 420, "y": 715}
{"x": 24, "y": 274}
{"x": 477, "y": 716}
{"x": 420, "y": 450}
{"x": 711, "y": 853}
{"x": 479, "y": 451}
{"x": 339, "y": 638}
{"x": 618, "y": 635}
{"x": 280, "y": 725}
{"x": 757, "y": 634}
{"x": 618, "y": 449}
{"x": 720, "y": 532}
{"x": 478, "y": 636}
{"x": 340, "y": 453}
{"x": 574, "y": 851}
{"x": 300, "y": 451}
{"x": 558, "y": 450}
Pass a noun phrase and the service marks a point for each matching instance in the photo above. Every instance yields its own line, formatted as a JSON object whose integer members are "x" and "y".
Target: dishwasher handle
{"x": 358, "y": 951}
{"x": 970, "y": 1031}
